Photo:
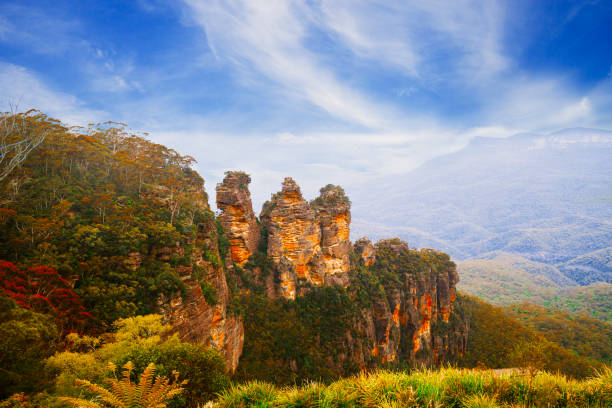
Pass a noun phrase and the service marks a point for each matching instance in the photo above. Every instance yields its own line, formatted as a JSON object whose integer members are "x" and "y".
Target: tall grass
{"x": 448, "y": 387}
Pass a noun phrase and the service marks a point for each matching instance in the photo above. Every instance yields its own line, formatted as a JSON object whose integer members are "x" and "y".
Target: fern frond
{"x": 119, "y": 392}
{"x": 105, "y": 395}
{"x": 79, "y": 402}
{"x": 146, "y": 379}
{"x": 149, "y": 392}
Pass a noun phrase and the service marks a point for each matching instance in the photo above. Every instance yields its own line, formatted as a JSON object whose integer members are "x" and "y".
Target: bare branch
{"x": 19, "y": 135}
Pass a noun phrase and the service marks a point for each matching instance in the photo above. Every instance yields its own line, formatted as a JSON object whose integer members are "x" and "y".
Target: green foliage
{"x": 587, "y": 337}
{"x": 424, "y": 388}
{"x": 504, "y": 279}
{"x": 213, "y": 258}
{"x": 109, "y": 208}
{"x": 222, "y": 241}
{"x": 494, "y": 337}
{"x": 203, "y": 367}
{"x": 334, "y": 195}
{"x": 26, "y": 339}
{"x": 394, "y": 259}
{"x": 142, "y": 340}
{"x": 305, "y": 339}
{"x": 365, "y": 283}
{"x": 149, "y": 392}
{"x": 209, "y": 292}
{"x": 288, "y": 341}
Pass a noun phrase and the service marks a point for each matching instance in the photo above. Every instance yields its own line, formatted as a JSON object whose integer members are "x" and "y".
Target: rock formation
{"x": 201, "y": 317}
{"x": 408, "y": 315}
{"x": 333, "y": 213}
{"x": 237, "y": 217}
{"x": 294, "y": 238}
{"x": 364, "y": 248}
{"x": 413, "y": 319}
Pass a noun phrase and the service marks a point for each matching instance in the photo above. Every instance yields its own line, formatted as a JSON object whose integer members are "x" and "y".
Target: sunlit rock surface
{"x": 237, "y": 217}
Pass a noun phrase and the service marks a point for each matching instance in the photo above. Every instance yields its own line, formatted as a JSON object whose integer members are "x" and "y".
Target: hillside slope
{"x": 546, "y": 198}
{"x": 503, "y": 278}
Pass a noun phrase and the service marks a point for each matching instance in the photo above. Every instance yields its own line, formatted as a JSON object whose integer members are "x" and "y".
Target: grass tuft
{"x": 447, "y": 387}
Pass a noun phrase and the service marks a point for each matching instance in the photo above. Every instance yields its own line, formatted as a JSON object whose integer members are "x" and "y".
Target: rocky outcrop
{"x": 333, "y": 214}
{"x": 294, "y": 238}
{"x": 405, "y": 296}
{"x": 413, "y": 319}
{"x": 237, "y": 217}
{"x": 200, "y": 315}
{"x": 364, "y": 248}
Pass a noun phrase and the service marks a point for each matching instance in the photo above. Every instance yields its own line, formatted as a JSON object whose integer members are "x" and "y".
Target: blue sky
{"x": 340, "y": 91}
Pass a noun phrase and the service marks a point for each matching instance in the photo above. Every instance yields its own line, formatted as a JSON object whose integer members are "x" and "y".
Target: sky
{"x": 326, "y": 91}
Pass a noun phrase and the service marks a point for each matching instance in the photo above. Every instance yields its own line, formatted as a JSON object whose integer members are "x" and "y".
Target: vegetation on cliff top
{"x": 108, "y": 209}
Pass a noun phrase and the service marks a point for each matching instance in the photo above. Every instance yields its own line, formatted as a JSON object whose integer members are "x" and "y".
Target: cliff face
{"x": 237, "y": 217}
{"x": 405, "y": 296}
{"x": 413, "y": 319}
{"x": 405, "y": 313}
{"x": 294, "y": 238}
{"x": 333, "y": 214}
{"x": 200, "y": 315}
{"x": 363, "y": 246}
{"x": 308, "y": 242}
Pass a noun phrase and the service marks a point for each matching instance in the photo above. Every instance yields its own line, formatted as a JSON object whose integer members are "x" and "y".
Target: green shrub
{"x": 204, "y": 368}
{"x": 26, "y": 339}
{"x": 209, "y": 292}
{"x": 143, "y": 340}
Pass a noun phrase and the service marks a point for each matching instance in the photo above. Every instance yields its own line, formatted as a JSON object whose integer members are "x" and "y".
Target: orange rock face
{"x": 294, "y": 239}
{"x": 237, "y": 217}
{"x": 412, "y": 310}
{"x": 333, "y": 213}
{"x": 363, "y": 246}
{"x": 308, "y": 242}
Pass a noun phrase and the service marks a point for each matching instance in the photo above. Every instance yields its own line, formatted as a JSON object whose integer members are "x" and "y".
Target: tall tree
{"x": 19, "y": 134}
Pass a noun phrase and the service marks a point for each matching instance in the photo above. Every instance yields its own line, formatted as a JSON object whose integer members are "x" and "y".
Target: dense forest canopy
{"x": 87, "y": 201}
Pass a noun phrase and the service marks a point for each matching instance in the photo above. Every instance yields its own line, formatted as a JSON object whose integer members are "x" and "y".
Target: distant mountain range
{"x": 547, "y": 198}
{"x": 502, "y": 278}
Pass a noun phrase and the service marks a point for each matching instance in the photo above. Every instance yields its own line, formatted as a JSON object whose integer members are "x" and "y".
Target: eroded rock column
{"x": 294, "y": 238}
{"x": 363, "y": 246}
{"x": 333, "y": 213}
{"x": 237, "y": 217}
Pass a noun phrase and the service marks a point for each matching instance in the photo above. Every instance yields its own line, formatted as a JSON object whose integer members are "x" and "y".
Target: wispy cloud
{"x": 423, "y": 37}
{"x": 20, "y": 87}
{"x": 271, "y": 37}
{"x": 37, "y": 30}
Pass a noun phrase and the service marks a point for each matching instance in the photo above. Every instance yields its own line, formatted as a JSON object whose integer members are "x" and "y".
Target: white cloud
{"x": 39, "y": 31}
{"x": 541, "y": 105}
{"x": 22, "y": 87}
{"x": 421, "y": 36}
{"x": 270, "y": 37}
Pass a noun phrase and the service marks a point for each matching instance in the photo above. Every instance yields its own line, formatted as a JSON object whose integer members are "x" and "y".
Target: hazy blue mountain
{"x": 547, "y": 198}
{"x": 595, "y": 266}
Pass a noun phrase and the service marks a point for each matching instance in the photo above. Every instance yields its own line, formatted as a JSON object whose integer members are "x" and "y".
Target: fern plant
{"x": 149, "y": 392}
